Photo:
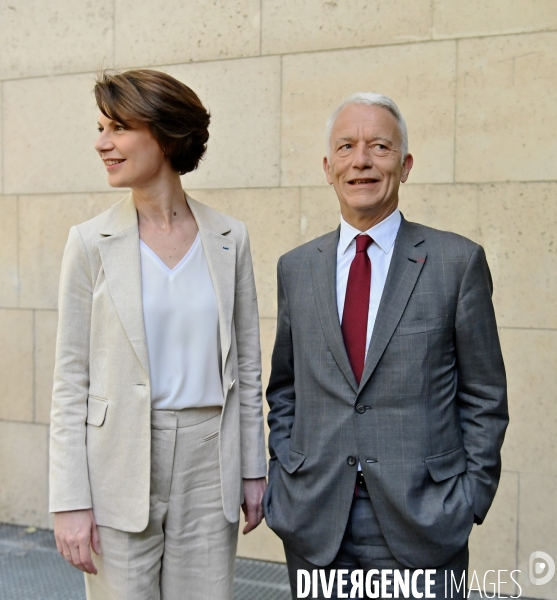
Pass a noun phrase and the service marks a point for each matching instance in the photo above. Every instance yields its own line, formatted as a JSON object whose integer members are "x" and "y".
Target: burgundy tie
{"x": 356, "y": 306}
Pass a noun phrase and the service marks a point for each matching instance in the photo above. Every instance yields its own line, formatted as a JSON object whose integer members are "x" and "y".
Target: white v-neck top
{"x": 182, "y": 326}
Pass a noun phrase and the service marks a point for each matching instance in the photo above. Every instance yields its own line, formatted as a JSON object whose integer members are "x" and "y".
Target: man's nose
{"x": 362, "y": 158}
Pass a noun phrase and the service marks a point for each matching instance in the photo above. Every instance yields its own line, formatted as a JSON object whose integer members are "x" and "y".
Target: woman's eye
{"x": 119, "y": 127}
{"x": 100, "y": 129}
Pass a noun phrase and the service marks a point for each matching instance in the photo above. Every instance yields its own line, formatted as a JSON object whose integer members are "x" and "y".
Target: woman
{"x": 156, "y": 430}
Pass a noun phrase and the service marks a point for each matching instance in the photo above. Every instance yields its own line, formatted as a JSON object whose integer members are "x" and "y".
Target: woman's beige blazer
{"x": 101, "y": 406}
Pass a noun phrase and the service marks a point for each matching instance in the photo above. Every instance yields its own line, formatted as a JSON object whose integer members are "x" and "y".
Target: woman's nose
{"x": 103, "y": 143}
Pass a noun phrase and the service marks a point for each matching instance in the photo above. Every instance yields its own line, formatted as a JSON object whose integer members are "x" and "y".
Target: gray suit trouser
{"x": 364, "y": 548}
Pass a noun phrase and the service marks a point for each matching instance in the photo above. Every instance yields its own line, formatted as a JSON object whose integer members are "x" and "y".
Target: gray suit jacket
{"x": 426, "y": 422}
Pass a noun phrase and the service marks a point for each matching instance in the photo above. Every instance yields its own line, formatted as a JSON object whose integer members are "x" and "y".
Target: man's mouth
{"x": 363, "y": 181}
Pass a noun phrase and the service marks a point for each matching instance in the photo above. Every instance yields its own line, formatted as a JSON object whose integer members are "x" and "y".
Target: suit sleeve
{"x": 69, "y": 477}
{"x": 281, "y": 392}
{"x": 482, "y": 388}
{"x": 246, "y": 320}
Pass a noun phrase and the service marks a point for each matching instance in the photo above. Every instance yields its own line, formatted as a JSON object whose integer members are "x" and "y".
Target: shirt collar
{"x": 383, "y": 234}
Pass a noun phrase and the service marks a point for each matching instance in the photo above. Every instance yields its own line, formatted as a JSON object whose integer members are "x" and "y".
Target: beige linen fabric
{"x": 187, "y": 550}
{"x": 101, "y": 407}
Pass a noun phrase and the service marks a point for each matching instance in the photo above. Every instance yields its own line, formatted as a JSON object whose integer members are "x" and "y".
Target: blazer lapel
{"x": 220, "y": 252}
{"x": 119, "y": 251}
{"x": 406, "y": 265}
{"x": 323, "y": 269}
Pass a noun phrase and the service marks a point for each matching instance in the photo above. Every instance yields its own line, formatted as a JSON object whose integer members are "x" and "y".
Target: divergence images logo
{"x": 542, "y": 568}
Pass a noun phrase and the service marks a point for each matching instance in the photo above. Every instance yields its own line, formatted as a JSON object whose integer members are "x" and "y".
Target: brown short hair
{"x": 171, "y": 110}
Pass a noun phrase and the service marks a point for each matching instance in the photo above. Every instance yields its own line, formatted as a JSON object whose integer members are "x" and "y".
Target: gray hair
{"x": 369, "y": 99}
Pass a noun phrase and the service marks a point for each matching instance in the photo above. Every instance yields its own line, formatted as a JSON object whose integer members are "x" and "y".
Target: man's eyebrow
{"x": 344, "y": 139}
{"x": 380, "y": 137}
{"x": 375, "y": 138}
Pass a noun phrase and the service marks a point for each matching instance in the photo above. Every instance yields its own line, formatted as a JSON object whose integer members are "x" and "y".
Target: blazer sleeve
{"x": 281, "y": 392}
{"x": 246, "y": 320}
{"x": 482, "y": 387}
{"x": 69, "y": 478}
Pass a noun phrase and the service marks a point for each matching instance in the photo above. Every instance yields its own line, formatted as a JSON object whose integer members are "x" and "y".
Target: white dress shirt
{"x": 182, "y": 327}
{"x": 380, "y": 254}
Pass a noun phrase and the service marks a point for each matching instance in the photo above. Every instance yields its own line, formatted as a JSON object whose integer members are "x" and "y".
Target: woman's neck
{"x": 161, "y": 205}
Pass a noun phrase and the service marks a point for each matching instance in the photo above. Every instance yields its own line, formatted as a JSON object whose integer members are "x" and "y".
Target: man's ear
{"x": 406, "y": 167}
{"x": 326, "y": 168}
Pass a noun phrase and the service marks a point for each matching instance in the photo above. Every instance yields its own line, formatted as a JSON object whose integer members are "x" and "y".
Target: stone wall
{"x": 476, "y": 81}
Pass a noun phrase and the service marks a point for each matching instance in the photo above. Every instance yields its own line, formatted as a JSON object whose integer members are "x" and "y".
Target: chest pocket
{"x": 421, "y": 325}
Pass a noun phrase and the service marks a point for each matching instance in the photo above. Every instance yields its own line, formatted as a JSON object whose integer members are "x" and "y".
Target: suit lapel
{"x": 119, "y": 251}
{"x": 323, "y": 269}
{"x": 406, "y": 265}
{"x": 220, "y": 252}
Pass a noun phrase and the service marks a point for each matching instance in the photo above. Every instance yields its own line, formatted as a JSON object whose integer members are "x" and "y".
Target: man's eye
{"x": 380, "y": 149}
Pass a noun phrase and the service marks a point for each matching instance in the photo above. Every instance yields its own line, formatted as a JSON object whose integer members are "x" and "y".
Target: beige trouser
{"x": 187, "y": 551}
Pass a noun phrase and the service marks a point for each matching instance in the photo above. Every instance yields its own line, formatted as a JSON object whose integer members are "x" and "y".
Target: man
{"x": 387, "y": 394}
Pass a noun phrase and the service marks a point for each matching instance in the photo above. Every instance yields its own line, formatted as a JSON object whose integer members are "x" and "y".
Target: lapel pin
{"x": 225, "y": 248}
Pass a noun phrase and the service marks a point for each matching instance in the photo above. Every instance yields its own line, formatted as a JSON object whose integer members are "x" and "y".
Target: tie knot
{"x": 363, "y": 242}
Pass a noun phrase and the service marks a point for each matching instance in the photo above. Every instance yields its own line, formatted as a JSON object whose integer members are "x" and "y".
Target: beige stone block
{"x": 292, "y": 26}
{"x": 178, "y": 31}
{"x": 1, "y": 138}
{"x": 537, "y": 530}
{"x": 59, "y": 36}
{"x": 452, "y": 18}
{"x": 268, "y": 334}
{"x": 447, "y": 207}
{"x": 272, "y": 217}
{"x": 518, "y": 228}
{"x": 46, "y": 323}
{"x": 44, "y": 223}
{"x": 260, "y": 544}
{"x": 419, "y": 77}
{"x": 24, "y": 474}
{"x": 263, "y": 544}
{"x": 50, "y": 127}
{"x": 493, "y": 544}
{"x": 531, "y": 365}
{"x": 243, "y": 97}
{"x": 506, "y": 110}
{"x": 16, "y": 364}
{"x": 320, "y": 212}
{"x": 8, "y": 252}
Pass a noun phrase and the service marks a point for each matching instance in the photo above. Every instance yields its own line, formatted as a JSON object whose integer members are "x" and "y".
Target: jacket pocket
{"x": 292, "y": 462}
{"x": 421, "y": 326}
{"x": 446, "y": 465}
{"x": 96, "y": 411}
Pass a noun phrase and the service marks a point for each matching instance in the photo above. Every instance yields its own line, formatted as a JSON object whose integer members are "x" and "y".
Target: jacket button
{"x": 360, "y": 408}
{"x": 351, "y": 461}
